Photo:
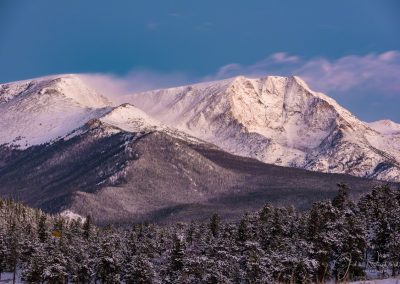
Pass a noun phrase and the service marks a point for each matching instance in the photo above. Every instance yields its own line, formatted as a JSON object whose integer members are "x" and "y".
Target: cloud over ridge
{"x": 367, "y": 84}
{"x": 374, "y": 72}
{"x": 371, "y": 72}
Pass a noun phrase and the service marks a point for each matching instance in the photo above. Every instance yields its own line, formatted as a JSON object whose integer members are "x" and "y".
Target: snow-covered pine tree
{"x": 214, "y": 224}
{"x": 176, "y": 261}
{"x": 139, "y": 271}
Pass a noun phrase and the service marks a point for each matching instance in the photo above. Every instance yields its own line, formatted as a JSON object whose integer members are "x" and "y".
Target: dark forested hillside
{"x": 334, "y": 239}
{"x": 118, "y": 176}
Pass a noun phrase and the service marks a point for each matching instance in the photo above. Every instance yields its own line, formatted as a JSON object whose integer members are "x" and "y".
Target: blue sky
{"x": 347, "y": 48}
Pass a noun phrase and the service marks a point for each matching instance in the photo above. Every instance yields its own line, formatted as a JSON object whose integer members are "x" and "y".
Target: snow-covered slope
{"x": 129, "y": 118}
{"x": 41, "y": 110}
{"x": 277, "y": 120}
{"x": 386, "y": 127}
{"x": 44, "y": 110}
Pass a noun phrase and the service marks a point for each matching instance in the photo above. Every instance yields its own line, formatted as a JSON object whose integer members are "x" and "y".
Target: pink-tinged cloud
{"x": 352, "y": 75}
{"x": 116, "y": 87}
{"x": 379, "y": 73}
{"x": 368, "y": 85}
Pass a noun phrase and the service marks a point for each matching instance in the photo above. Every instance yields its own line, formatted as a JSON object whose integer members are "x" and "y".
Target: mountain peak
{"x": 74, "y": 87}
{"x": 272, "y": 84}
{"x": 300, "y": 82}
{"x": 385, "y": 126}
{"x": 41, "y": 110}
{"x": 70, "y": 86}
{"x": 275, "y": 119}
{"x": 129, "y": 118}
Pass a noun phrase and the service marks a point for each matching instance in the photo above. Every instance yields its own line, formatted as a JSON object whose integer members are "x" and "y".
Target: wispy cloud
{"x": 367, "y": 84}
{"x": 373, "y": 72}
{"x": 116, "y": 87}
{"x": 352, "y": 75}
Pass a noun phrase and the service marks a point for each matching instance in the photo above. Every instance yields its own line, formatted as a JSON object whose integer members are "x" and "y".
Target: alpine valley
{"x": 184, "y": 153}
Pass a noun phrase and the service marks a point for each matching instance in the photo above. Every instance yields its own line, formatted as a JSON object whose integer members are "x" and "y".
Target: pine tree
{"x": 350, "y": 251}
{"x": 321, "y": 234}
{"x": 190, "y": 232}
{"x": 243, "y": 229}
{"x": 139, "y": 271}
{"x": 87, "y": 226}
{"x": 81, "y": 262}
{"x": 33, "y": 272}
{"x": 55, "y": 270}
{"x": 214, "y": 225}
{"x": 42, "y": 228}
{"x": 176, "y": 261}
{"x": 253, "y": 266}
{"x": 177, "y": 254}
{"x": 14, "y": 245}
{"x": 3, "y": 252}
{"x": 342, "y": 199}
{"x": 381, "y": 207}
{"x": 109, "y": 260}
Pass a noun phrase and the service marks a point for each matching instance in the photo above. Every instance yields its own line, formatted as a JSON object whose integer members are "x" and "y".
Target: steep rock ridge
{"x": 277, "y": 120}
{"x": 38, "y": 111}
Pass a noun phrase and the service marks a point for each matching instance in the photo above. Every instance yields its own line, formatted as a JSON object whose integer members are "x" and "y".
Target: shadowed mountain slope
{"x": 121, "y": 177}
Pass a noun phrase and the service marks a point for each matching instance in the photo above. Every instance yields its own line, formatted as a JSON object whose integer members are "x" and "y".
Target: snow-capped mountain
{"x": 38, "y": 111}
{"x": 44, "y": 110}
{"x": 277, "y": 120}
{"x": 64, "y": 146}
{"x": 122, "y": 168}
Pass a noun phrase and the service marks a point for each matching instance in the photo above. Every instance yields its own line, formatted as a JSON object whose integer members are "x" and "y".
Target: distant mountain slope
{"x": 122, "y": 168}
{"x": 277, "y": 120}
{"x": 386, "y": 127}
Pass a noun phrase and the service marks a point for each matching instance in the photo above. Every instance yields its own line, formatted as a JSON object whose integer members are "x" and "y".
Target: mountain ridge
{"x": 277, "y": 120}
{"x": 67, "y": 148}
{"x": 38, "y": 111}
{"x": 122, "y": 177}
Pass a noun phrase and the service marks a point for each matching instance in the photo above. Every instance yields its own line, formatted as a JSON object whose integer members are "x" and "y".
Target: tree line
{"x": 336, "y": 239}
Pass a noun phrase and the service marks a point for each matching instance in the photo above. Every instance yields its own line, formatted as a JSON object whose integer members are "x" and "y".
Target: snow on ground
{"x": 131, "y": 119}
{"x": 68, "y": 214}
{"x": 7, "y": 278}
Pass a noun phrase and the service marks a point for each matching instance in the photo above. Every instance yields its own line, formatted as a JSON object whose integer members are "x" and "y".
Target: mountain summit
{"x": 277, "y": 120}
{"x": 41, "y": 110}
